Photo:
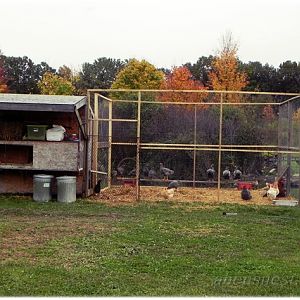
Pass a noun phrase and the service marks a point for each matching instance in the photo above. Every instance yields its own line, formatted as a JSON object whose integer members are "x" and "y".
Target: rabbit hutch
{"x": 213, "y": 143}
{"x": 42, "y": 134}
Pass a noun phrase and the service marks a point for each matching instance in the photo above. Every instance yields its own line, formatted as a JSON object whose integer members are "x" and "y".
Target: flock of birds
{"x": 146, "y": 171}
{"x": 272, "y": 192}
{"x": 237, "y": 174}
{"x": 166, "y": 172}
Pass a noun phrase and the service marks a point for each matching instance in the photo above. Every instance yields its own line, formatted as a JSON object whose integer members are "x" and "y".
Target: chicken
{"x": 165, "y": 171}
{"x": 97, "y": 187}
{"x": 211, "y": 173}
{"x": 168, "y": 193}
{"x": 273, "y": 190}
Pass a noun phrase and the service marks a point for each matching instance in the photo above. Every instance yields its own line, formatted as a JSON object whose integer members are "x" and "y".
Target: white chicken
{"x": 273, "y": 191}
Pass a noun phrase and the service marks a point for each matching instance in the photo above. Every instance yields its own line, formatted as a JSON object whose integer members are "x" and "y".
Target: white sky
{"x": 164, "y": 32}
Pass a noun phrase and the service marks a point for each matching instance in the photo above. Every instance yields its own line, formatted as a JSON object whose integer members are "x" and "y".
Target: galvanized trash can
{"x": 66, "y": 189}
{"x": 42, "y": 186}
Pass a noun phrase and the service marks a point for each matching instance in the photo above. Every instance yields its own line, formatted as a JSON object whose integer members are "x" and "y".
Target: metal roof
{"x": 29, "y": 102}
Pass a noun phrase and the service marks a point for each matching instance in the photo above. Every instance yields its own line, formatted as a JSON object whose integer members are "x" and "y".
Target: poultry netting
{"x": 208, "y": 150}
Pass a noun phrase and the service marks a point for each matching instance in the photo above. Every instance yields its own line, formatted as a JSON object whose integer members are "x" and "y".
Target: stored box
{"x": 244, "y": 184}
{"x": 36, "y": 132}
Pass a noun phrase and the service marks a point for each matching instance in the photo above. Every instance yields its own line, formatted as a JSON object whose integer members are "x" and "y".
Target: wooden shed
{"x": 21, "y": 156}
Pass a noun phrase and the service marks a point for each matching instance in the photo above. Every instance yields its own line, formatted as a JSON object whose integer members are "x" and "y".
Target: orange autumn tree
{"x": 180, "y": 78}
{"x": 225, "y": 74}
{"x": 3, "y": 85}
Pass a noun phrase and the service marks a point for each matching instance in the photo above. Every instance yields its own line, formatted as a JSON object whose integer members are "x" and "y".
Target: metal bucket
{"x": 42, "y": 186}
{"x": 66, "y": 189}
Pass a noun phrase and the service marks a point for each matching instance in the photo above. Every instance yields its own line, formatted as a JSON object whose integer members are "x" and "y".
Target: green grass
{"x": 147, "y": 249}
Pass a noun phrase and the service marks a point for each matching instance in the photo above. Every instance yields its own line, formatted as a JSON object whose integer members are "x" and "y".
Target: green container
{"x": 36, "y": 132}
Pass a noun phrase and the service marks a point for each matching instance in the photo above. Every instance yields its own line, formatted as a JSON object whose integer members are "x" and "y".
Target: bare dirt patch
{"x": 26, "y": 232}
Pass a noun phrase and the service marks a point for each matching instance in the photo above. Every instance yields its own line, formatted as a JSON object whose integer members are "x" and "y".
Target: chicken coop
{"x": 211, "y": 142}
{"x": 26, "y": 148}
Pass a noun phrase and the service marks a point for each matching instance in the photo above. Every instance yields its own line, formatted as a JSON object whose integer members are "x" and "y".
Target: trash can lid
{"x": 67, "y": 178}
{"x": 43, "y": 176}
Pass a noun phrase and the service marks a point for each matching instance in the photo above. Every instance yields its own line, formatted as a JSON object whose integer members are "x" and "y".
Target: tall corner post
{"x": 95, "y": 139}
{"x": 289, "y": 156}
{"x": 110, "y": 104}
{"x": 220, "y": 146}
{"x": 87, "y": 145}
{"x": 138, "y": 141}
{"x": 195, "y": 142}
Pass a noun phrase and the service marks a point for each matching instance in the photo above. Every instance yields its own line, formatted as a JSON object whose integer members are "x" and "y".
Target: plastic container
{"x": 242, "y": 184}
{"x": 36, "y": 132}
{"x": 66, "y": 189}
{"x": 42, "y": 187}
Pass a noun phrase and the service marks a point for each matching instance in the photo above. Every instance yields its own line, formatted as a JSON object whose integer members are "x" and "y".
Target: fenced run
{"x": 134, "y": 133}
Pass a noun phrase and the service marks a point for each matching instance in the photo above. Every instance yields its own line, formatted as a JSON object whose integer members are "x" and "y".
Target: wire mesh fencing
{"x": 210, "y": 142}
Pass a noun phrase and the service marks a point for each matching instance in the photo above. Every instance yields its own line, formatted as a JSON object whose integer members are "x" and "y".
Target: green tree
{"x": 138, "y": 75}
{"x": 201, "y": 69}
{"x": 52, "y": 84}
{"x": 288, "y": 76}
{"x": 22, "y": 74}
{"x": 100, "y": 74}
{"x": 72, "y": 76}
{"x": 262, "y": 78}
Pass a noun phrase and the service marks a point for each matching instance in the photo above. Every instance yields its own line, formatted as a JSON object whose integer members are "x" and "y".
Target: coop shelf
{"x": 43, "y": 155}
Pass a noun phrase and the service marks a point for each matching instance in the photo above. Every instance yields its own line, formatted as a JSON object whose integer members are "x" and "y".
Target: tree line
{"x": 223, "y": 71}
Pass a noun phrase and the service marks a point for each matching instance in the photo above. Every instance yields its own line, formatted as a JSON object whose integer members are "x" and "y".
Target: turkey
{"x": 226, "y": 173}
{"x": 152, "y": 174}
{"x": 132, "y": 172}
{"x": 237, "y": 174}
{"x": 165, "y": 171}
{"x": 121, "y": 170}
{"x": 211, "y": 173}
{"x": 245, "y": 194}
{"x": 174, "y": 184}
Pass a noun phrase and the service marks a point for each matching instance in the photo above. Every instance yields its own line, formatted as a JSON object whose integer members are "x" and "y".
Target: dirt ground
{"x": 127, "y": 194}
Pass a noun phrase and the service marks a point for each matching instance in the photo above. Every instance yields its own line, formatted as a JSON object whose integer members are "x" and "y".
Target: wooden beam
{"x": 80, "y": 123}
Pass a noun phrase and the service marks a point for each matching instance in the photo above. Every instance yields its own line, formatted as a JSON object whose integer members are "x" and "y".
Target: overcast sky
{"x": 164, "y": 32}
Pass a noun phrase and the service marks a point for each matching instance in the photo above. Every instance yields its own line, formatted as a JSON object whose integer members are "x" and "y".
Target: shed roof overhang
{"x": 51, "y": 103}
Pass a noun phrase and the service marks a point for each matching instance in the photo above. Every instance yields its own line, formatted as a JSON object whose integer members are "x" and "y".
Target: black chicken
{"x": 97, "y": 187}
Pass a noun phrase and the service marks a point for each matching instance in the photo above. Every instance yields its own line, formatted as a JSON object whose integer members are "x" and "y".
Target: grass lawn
{"x": 147, "y": 249}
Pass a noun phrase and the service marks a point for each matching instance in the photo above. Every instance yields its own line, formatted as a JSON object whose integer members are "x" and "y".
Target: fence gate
{"x": 101, "y": 124}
